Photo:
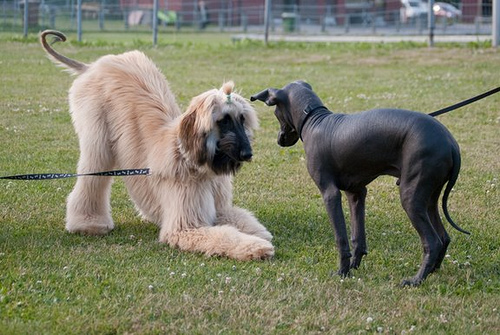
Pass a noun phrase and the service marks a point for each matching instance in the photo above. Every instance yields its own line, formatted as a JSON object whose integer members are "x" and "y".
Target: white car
{"x": 411, "y": 10}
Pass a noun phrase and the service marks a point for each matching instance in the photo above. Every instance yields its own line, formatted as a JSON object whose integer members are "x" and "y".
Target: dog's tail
{"x": 73, "y": 66}
{"x": 449, "y": 186}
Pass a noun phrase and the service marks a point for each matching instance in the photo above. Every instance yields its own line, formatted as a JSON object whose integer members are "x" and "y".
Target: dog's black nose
{"x": 246, "y": 155}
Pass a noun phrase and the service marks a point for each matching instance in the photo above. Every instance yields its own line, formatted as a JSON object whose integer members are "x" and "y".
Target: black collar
{"x": 306, "y": 113}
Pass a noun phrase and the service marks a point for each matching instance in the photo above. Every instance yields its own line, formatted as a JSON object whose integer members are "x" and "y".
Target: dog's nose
{"x": 246, "y": 155}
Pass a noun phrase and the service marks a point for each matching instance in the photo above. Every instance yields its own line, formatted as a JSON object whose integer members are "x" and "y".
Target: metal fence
{"x": 392, "y": 17}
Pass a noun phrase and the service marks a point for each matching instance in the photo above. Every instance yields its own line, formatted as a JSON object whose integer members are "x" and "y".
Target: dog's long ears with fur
{"x": 196, "y": 124}
{"x": 72, "y": 65}
{"x": 270, "y": 96}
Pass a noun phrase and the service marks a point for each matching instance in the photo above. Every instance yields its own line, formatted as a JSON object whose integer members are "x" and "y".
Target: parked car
{"x": 446, "y": 11}
{"x": 411, "y": 10}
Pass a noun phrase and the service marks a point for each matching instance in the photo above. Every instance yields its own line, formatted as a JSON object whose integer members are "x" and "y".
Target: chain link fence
{"x": 389, "y": 17}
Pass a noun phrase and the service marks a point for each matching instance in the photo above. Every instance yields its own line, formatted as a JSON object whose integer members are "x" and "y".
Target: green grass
{"x": 52, "y": 282}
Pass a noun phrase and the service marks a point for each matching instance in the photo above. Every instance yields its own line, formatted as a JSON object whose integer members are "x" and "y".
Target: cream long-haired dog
{"x": 126, "y": 116}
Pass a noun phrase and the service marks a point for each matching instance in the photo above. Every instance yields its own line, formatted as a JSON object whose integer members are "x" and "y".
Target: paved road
{"x": 367, "y": 38}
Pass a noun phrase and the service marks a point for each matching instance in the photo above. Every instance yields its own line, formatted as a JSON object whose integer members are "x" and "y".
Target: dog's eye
{"x": 225, "y": 120}
{"x": 242, "y": 119}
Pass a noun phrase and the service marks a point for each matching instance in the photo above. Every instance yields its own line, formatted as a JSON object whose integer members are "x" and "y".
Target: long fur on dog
{"x": 126, "y": 116}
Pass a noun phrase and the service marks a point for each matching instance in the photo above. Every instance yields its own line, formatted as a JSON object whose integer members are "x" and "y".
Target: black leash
{"x": 46, "y": 176}
{"x": 465, "y": 102}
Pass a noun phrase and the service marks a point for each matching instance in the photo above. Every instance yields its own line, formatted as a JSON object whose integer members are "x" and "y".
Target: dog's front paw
{"x": 253, "y": 248}
{"x": 344, "y": 269}
{"x": 413, "y": 282}
{"x": 355, "y": 264}
{"x": 356, "y": 260}
{"x": 343, "y": 273}
{"x": 89, "y": 226}
{"x": 344, "y": 265}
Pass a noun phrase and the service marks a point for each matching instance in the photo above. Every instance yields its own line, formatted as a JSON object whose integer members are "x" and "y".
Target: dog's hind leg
{"x": 415, "y": 198}
{"x": 88, "y": 205}
{"x": 221, "y": 240}
{"x": 358, "y": 234}
{"x": 436, "y": 221}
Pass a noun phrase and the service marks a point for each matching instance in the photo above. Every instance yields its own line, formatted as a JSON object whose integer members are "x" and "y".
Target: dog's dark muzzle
{"x": 287, "y": 138}
{"x": 238, "y": 150}
{"x": 246, "y": 154}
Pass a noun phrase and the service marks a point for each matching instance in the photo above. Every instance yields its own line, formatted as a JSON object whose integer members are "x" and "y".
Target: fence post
{"x": 296, "y": 26}
{"x": 374, "y": 22}
{"x": 221, "y": 21}
{"x": 347, "y": 19}
{"x": 26, "y": 19}
{"x": 495, "y": 24}
{"x": 178, "y": 22}
{"x": 101, "y": 14}
{"x": 125, "y": 17}
{"x": 398, "y": 21}
{"x": 267, "y": 12}
{"x": 430, "y": 18}
{"x": 155, "y": 22}
{"x": 244, "y": 22}
{"x": 79, "y": 20}
{"x": 42, "y": 13}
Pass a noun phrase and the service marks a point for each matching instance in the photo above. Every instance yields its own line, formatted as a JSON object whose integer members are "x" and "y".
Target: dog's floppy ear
{"x": 191, "y": 138}
{"x": 269, "y": 96}
{"x": 196, "y": 123}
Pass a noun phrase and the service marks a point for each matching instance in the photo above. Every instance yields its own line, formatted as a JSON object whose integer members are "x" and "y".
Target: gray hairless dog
{"x": 347, "y": 152}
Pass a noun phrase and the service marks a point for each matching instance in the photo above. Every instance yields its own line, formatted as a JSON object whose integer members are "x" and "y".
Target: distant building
{"x": 314, "y": 10}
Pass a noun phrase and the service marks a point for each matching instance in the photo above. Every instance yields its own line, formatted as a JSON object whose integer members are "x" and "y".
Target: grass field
{"x": 52, "y": 282}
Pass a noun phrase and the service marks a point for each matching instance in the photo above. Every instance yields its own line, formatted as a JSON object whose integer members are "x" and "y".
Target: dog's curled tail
{"x": 447, "y": 190}
{"x": 73, "y": 66}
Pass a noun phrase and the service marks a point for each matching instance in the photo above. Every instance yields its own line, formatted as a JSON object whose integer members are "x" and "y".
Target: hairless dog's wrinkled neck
{"x": 306, "y": 115}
